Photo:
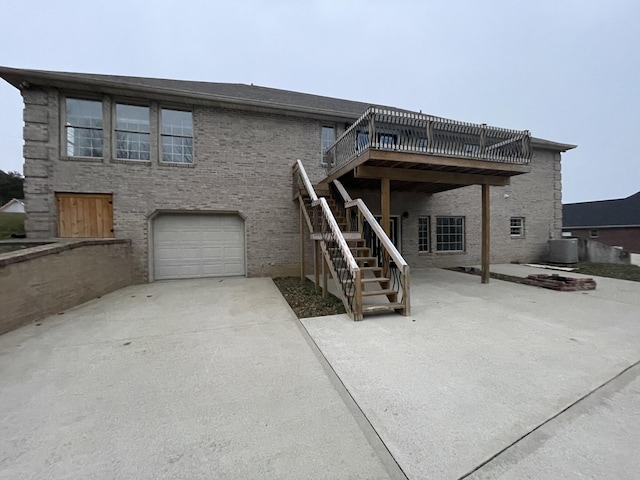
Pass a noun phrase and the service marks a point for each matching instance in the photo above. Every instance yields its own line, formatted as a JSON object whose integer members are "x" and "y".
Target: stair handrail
{"x": 335, "y": 229}
{"x": 352, "y": 298}
{"x": 384, "y": 239}
{"x": 378, "y": 230}
{"x": 305, "y": 180}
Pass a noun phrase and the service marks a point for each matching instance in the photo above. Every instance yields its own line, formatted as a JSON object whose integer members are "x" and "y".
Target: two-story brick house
{"x": 137, "y": 158}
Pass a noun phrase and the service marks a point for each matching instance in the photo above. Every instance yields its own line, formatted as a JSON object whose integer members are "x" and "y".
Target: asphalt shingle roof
{"x": 622, "y": 211}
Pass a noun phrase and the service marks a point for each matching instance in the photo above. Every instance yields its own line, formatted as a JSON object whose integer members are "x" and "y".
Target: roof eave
{"x": 550, "y": 145}
{"x": 21, "y": 79}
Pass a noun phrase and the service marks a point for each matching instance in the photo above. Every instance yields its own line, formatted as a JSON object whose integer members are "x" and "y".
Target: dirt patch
{"x": 305, "y": 301}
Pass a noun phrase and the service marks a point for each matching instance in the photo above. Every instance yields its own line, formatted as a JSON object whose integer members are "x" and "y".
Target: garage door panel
{"x": 192, "y": 246}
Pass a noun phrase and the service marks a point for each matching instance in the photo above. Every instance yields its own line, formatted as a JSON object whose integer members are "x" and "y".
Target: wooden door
{"x": 85, "y": 215}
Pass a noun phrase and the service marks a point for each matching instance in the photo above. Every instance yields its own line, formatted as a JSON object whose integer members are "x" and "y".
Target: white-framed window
{"x": 423, "y": 234}
{"x": 328, "y": 138}
{"x": 132, "y": 129}
{"x": 83, "y": 127}
{"x": 593, "y": 233}
{"x": 176, "y": 136}
{"x": 450, "y": 234}
{"x": 516, "y": 227}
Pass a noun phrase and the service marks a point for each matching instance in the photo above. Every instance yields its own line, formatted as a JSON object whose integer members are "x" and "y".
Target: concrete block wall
{"x": 48, "y": 279}
{"x": 242, "y": 164}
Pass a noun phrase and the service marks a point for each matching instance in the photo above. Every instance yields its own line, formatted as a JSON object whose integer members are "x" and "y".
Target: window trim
{"x": 428, "y": 234}
{"x": 175, "y": 108}
{"x": 521, "y": 227}
{"x": 64, "y": 152}
{"x": 463, "y": 234}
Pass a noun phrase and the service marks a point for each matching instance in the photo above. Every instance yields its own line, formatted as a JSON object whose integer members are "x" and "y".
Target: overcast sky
{"x": 568, "y": 71}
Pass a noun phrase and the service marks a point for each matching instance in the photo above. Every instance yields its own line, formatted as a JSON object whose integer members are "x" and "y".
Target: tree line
{"x": 11, "y": 186}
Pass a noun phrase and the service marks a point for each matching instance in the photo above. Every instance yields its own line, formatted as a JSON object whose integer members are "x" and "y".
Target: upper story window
{"x": 83, "y": 128}
{"x": 132, "y": 132}
{"x": 328, "y": 139}
{"x": 176, "y": 133}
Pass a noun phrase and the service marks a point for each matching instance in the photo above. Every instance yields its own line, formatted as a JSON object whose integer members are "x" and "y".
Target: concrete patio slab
{"x": 477, "y": 367}
{"x": 182, "y": 379}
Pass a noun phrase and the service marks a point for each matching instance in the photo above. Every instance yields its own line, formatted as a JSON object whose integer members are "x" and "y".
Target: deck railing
{"x": 397, "y": 130}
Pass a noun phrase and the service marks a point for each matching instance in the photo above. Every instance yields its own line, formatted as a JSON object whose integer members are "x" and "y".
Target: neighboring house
{"x": 13, "y": 206}
{"x": 137, "y": 158}
{"x": 613, "y": 222}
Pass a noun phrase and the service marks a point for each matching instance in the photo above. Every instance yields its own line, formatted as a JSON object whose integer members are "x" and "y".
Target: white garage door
{"x": 194, "y": 246}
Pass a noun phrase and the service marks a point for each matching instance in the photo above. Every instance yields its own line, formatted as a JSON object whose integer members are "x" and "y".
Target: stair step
{"x": 385, "y": 307}
{"x": 368, "y": 280}
{"x": 364, "y": 269}
{"x": 373, "y": 293}
{"x": 375, "y": 279}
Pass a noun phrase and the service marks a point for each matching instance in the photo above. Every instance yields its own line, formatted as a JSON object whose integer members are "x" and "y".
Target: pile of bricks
{"x": 561, "y": 284}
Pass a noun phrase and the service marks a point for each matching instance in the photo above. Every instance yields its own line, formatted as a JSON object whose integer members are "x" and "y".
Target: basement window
{"x": 593, "y": 233}
{"x": 450, "y": 234}
{"x": 423, "y": 234}
{"x": 517, "y": 227}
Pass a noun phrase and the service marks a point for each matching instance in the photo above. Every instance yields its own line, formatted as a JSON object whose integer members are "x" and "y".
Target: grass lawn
{"x": 11, "y": 223}
{"x": 305, "y": 301}
{"x": 624, "y": 272}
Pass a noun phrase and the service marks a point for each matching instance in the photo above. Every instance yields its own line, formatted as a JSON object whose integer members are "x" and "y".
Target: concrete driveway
{"x": 498, "y": 381}
{"x": 186, "y": 379}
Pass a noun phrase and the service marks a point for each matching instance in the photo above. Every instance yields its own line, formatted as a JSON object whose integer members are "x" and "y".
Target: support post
{"x": 301, "y": 241}
{"x": 486, "y": 233}
{"x": 324, "y": 277}
{"x": 357, "y": 300}
{"x": 385, "y": 211}
{"x": 316, "y": 267}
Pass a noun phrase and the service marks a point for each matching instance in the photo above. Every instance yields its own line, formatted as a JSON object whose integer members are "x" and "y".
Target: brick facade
{"x": 51, "y": 278}
{"x": 242, "y": 164}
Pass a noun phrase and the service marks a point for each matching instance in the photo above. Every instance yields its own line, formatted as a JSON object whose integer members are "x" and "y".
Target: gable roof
{"x": 13, "y": 201}
{"x": 618, "y": 212}
{"x": 224, "y": 94}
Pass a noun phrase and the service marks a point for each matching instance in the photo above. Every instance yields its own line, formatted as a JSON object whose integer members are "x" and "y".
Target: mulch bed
{"x": 305, "y": 301}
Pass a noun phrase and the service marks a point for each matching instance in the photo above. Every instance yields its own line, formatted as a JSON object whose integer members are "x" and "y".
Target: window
{"x": 83, "y": 128}
{"x": 362, "y": 141}
{"x": 387, "y": 141}
{"x": 177, "y": 136}
{"x": 328, "y": 139}
{"x": 450, "y": 234}
{"x": 423, "y": 234}
{"x": 132, "y": 132}
{"x": 593, "y": 233}
{"x": 517, "y": 227}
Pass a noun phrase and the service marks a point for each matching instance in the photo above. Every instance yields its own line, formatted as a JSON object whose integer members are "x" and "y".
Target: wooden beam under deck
{"x": 429, "y": 176}
{"x": 505, "y": 168}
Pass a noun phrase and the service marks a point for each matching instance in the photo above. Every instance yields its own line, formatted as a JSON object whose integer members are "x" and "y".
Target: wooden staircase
{"x": 374, "y": 283}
